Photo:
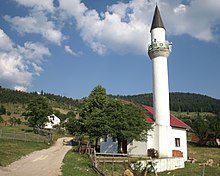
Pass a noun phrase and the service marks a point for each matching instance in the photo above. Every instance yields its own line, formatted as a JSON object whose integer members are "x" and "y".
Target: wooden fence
{"x": 113, "y": 164}
{"x": 27, "y": 137}
{"x": 107, "y": 161}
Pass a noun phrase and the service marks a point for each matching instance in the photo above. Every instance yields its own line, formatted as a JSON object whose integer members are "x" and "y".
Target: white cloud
{"x": 38, "y": 5}
{"x": 18, "y": 64}
{"x": 69, "y": 50}
{"x": 196, "y": 19}
{"x": 5, "y": 42}
{"x": 124, "y": 27}
{"x": 180, "y": 9}
{"x": 36, "y": 23}
{"x": 20, "y": 88}
{"x": 33, "y": 51}
{"x": 108, "y": 31}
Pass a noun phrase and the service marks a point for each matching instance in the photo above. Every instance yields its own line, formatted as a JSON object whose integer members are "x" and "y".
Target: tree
{"x": 96, "y": 100}
{"x": 214, "y": 126}
{"x": 93, "y": 113}
{"x": 200, "y": 127}
{"x": 101, "y": 115}
{"x": 127, "y": 122}
{"x": 1, "y": 119}
{"x": 2, "y": 110}
{"x": 37, "y": 112}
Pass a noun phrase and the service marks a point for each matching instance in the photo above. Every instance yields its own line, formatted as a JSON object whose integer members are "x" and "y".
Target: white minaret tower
{"x": 158, "y": 51}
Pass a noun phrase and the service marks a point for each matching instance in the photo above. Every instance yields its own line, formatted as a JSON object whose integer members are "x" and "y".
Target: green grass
{"x": 76, "y": 164}
{"x": 13, "y": 150}
{"x": 201, "y": 154}
{"x": 19, "y": 128}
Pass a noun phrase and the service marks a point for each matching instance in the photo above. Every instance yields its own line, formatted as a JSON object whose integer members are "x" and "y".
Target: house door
{"x": 124, "y": 146}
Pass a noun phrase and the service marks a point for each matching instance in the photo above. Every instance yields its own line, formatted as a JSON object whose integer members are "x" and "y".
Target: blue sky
{"x": 68, "y": 47}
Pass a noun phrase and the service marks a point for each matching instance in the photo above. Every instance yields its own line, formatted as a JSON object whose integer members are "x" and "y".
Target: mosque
{"x": 168, "y": 136}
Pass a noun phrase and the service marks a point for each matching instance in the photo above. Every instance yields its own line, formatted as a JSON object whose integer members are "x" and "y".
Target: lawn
{"x": 76, "y": 164}
{"x": 13, "y": 150}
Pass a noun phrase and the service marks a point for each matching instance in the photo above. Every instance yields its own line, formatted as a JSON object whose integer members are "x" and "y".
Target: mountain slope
{"x": 181, "y": 102}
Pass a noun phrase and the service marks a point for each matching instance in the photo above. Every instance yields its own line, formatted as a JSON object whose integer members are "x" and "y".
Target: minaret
{"x": 158, "y": 51}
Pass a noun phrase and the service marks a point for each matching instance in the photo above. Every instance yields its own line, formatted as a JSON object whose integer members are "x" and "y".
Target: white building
{"x": 178, "y": 137}
{"x": 52, "y": 121}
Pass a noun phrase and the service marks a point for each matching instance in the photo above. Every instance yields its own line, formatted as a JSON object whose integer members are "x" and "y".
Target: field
{"x": 13, "y": 150}
{"x": 79, "y": 165}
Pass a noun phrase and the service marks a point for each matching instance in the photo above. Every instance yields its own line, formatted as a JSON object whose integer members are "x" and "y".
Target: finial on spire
{"x": 157, "y": 20}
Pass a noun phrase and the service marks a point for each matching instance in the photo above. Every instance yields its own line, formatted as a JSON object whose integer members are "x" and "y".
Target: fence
{"x": 24, "y": 136}
{"x": 113, "y": 164}
{"x": 106, "y": 162}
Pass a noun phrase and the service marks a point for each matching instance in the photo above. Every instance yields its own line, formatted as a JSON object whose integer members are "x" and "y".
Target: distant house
{"x": 52, "y": 121}
{"x": 178, "y": 139}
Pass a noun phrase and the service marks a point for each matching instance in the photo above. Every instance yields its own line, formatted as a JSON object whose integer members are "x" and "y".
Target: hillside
{"x": 180, "y": 102}
{"x": 8, "y": 97}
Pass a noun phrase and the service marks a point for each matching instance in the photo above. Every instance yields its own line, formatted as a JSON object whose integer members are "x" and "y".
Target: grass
{"x": 19, "y": 129}
{"x": 201, "y": 154}
{"x": 76, "y": 164}
{"x": 13, "y": 150}
{"x": 79, "y": 165}
{"x": 192, "y": 114}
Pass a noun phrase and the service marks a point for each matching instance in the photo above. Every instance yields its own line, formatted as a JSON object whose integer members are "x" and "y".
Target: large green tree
{"x": 37, "y": 112}
{"x": 127, "y": 122}
{"x": 93, "y": 113}
{"x": 102, "y": 116}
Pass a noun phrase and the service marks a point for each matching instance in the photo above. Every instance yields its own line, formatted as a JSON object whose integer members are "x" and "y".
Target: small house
{"x": 178, "y": 139}
{"x": 53, "y": 120}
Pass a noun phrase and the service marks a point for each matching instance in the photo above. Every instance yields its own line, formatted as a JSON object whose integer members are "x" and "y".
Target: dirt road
{"x": 45, "y": 162}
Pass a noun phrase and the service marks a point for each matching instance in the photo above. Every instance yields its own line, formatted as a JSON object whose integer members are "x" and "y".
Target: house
{"x": 178, "y": 139}
{"x": 52, "y": 121}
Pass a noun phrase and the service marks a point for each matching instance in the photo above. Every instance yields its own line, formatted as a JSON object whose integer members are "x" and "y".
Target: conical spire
{"x": 157, "y": 21}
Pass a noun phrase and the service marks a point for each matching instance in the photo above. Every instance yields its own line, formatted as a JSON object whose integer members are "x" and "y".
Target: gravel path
{"x": 46, "y": 162}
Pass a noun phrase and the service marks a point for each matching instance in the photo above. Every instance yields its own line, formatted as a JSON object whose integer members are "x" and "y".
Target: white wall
{"x": 180, "y": 133}
{"x": 137, "y": 148}
{"x": 140, "y": 148}
{"x": 52, "y": 121}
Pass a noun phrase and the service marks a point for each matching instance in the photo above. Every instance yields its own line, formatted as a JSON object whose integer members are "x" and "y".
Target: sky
{"x": 67, "y": 47}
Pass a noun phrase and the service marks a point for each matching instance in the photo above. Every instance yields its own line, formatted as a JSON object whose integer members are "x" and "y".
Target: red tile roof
{"x": 174, "y": 121}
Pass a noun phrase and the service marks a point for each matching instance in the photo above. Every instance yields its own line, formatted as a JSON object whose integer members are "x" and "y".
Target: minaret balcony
{"x": 156, "y": 49}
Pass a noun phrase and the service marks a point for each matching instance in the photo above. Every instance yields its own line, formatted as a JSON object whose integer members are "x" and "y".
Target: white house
{"x": 52, "y": 121}
{"x": 178, "y": 137}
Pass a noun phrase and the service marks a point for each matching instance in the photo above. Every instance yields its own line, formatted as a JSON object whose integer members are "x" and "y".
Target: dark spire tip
{"x": 157, "y": 20}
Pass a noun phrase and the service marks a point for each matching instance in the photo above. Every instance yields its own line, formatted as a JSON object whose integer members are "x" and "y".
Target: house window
{"x": 105, "y": 139}
{"x": 114, "y": 139}
{"x": 177, "y": 142}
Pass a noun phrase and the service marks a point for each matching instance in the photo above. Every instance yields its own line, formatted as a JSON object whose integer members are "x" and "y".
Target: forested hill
{"x": 181, "y": 102}
{"x": 12, "y": 96}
